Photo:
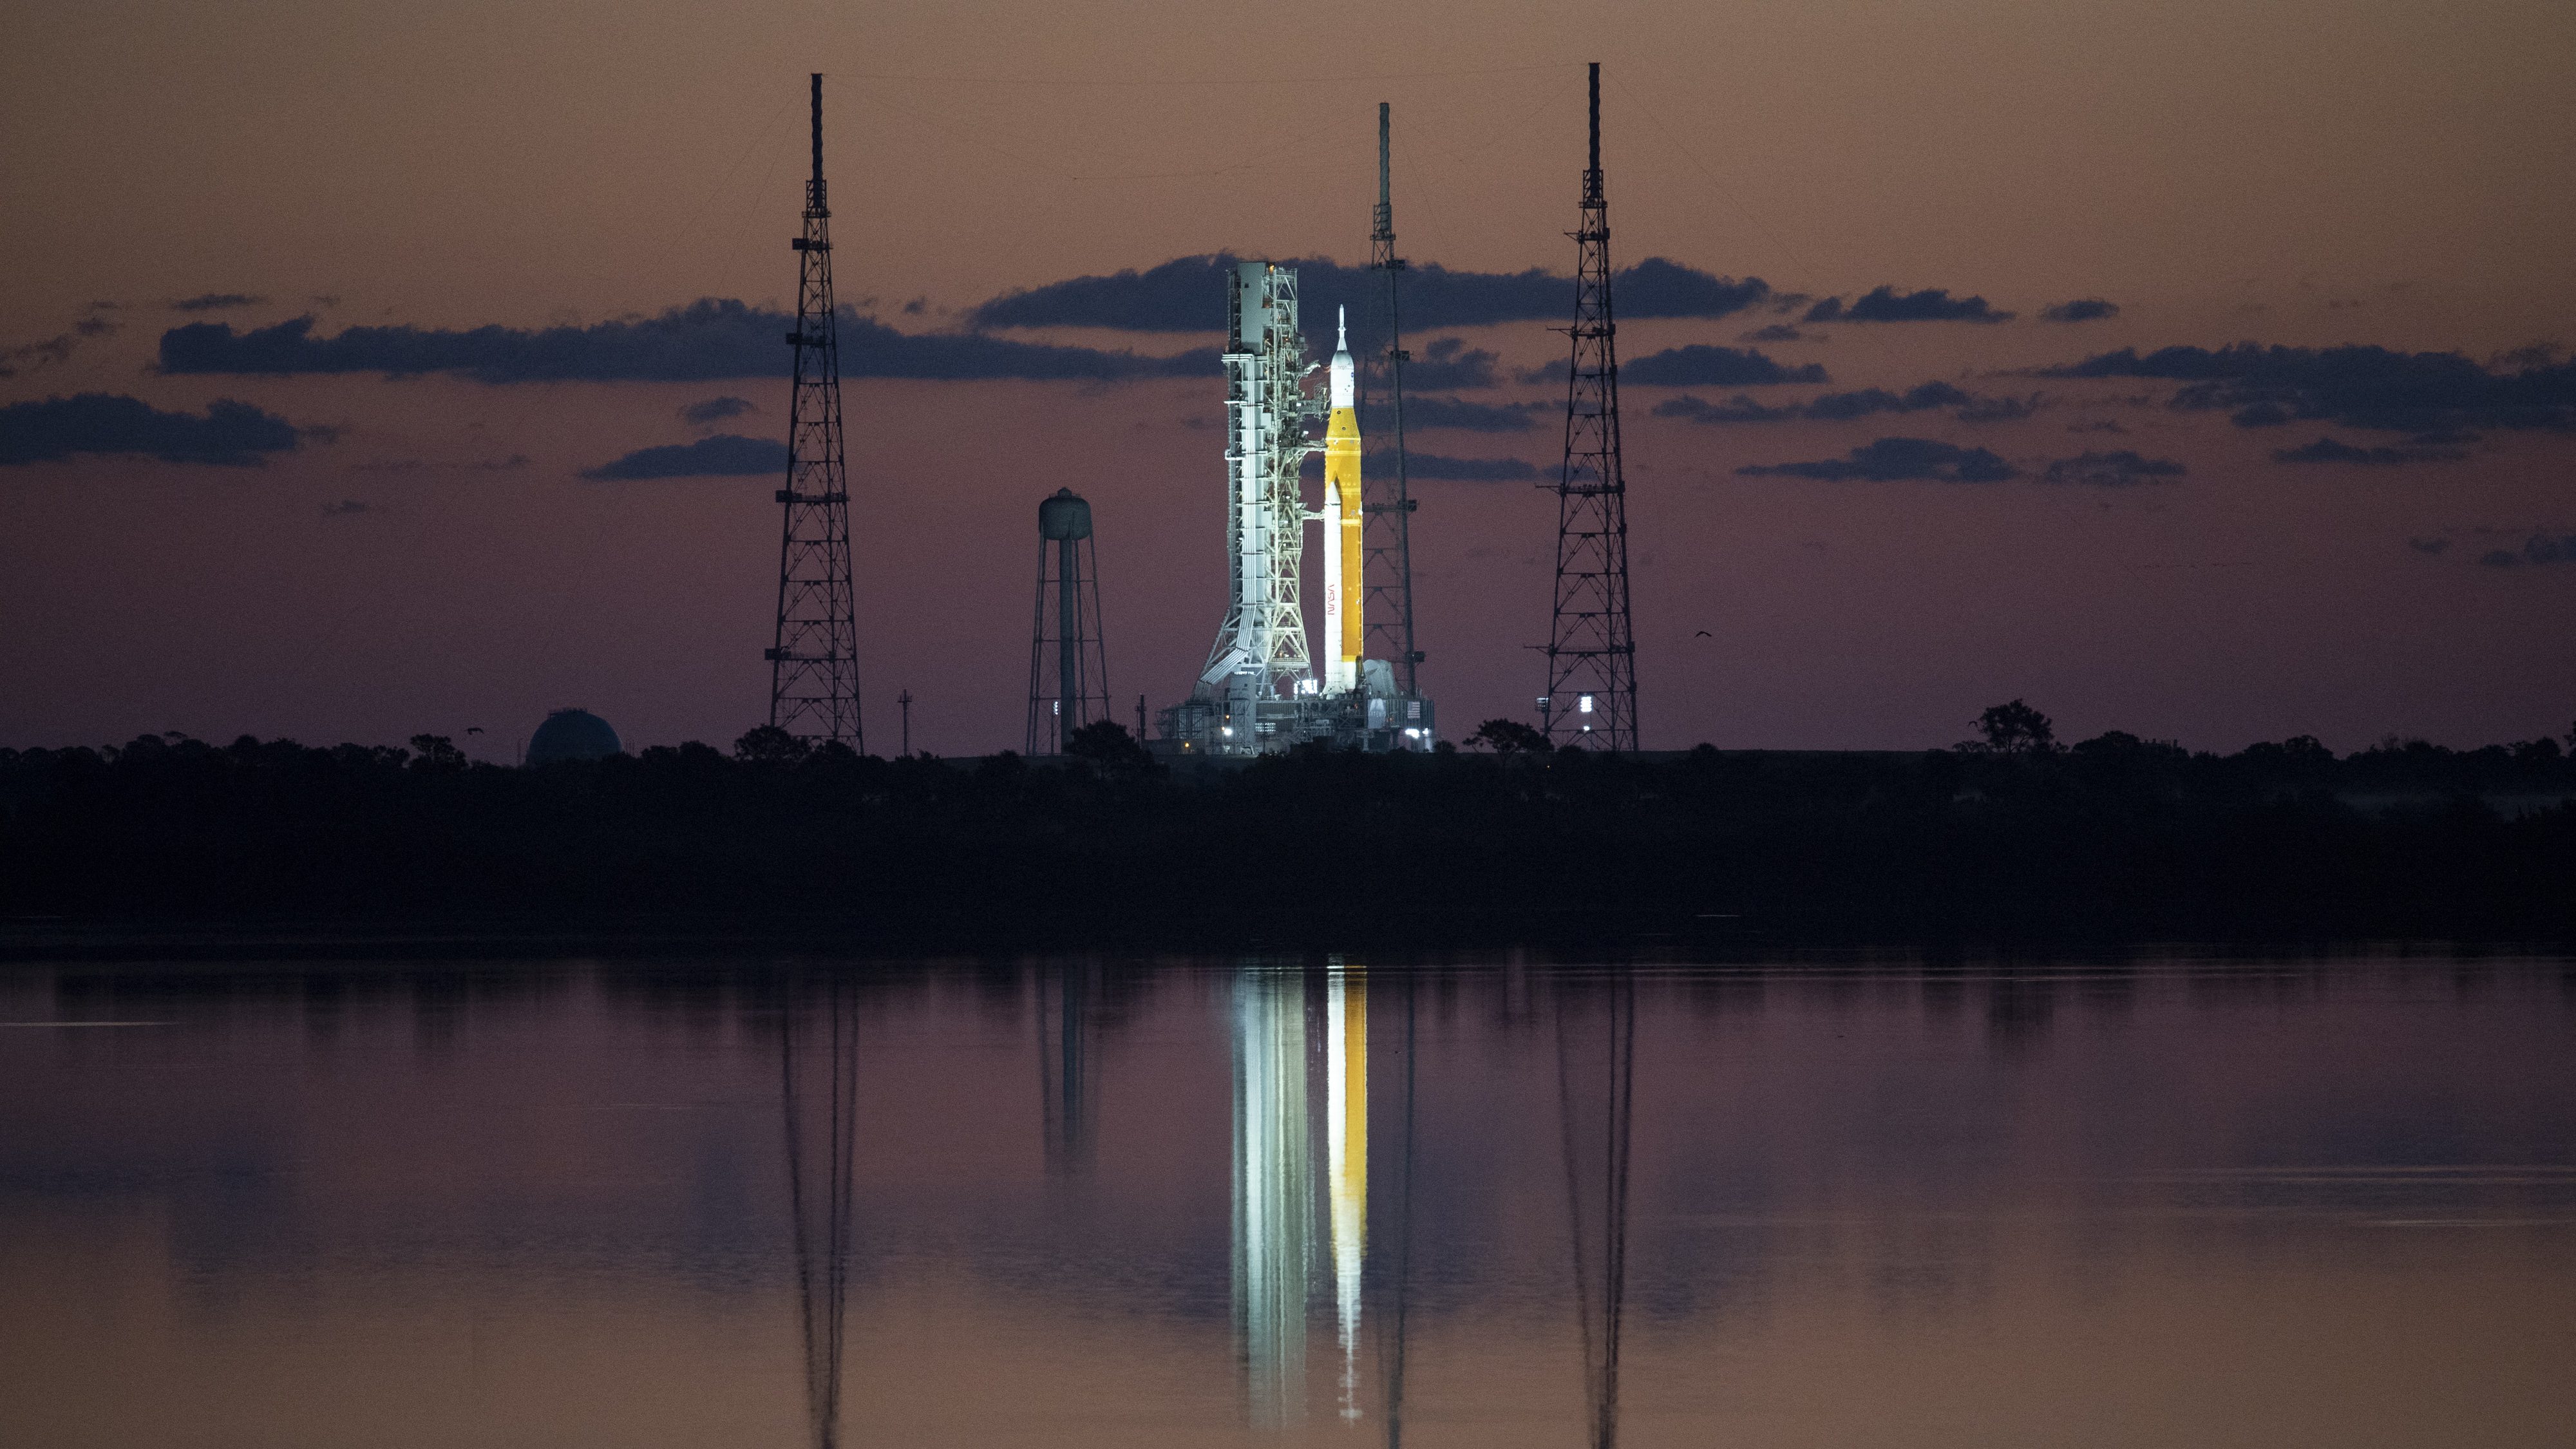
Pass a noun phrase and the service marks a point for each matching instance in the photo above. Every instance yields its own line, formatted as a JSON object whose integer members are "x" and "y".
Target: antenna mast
{"x": 813, "y": 659}
{"x": 1388, "y": 599}
{"x": 1591, "y": 698}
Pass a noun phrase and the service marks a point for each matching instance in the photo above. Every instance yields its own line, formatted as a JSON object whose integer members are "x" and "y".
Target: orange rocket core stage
{"x": 1342, "y": 475}
{"x": 1343, "y": 564}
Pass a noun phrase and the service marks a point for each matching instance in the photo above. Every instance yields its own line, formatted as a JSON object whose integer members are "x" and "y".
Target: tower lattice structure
{"x": 1591, "y": 698}
{"x": 814, "y": 665}
{"x": 1387, "y": 593}
{"x": 1260, "y": 648}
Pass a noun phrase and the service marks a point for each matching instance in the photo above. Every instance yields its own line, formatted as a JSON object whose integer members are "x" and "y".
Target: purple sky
{"x": 424, "y": 554}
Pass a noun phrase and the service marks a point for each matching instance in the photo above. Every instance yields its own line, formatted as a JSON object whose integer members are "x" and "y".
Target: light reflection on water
{"x": 737, "y": 1203}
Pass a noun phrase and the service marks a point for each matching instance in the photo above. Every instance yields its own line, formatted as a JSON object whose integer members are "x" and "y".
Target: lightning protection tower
{"x": 1591, "y": 698}
{"x": 1068, "y": 669}
{"x": 813, "y": 658}
{"x": 1387, "y": 601}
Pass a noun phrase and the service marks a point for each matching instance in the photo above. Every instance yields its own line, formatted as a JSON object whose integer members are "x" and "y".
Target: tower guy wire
{"x": 1591, "y": 698}
{"x": 813, "y": 655}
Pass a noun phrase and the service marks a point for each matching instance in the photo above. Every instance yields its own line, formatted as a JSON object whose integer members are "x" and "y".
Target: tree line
{"x": 2008, "y": 834}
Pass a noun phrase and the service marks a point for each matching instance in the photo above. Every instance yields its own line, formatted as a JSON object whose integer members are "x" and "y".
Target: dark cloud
{"x": 1838, "y": 406}
{"x": 716, "y": 410}
{"x": 1423, "y": 413}
{"x": 2359, "y": 387}
{"x": 1700, "y": 365}
{"x": 2428, "y": 546}
{"x": 57, "y": 349}
{"x": 1737, "y": 409}
{"x": 426, "y": 465}
{"x": 1446, "y": 364}
{"x": 1469, "y": 470}
{"x": 2098, "y": 425}
{"x": 231, "y": 434}
{"x": 216, "y": 302}
{"x": 1846, "y": 406}
{"x": 2121, "y": 468}
{"x": 1886, "y": 304}
{"x": 2082, "y": 309}
{"x": 708, "y": 339}
{"x": 1779, "y": 332}
{"x": 1187, "y": 294}
{"x": 1997, "y": 409}
{"x": 48, "y": 353}
{"x": 1659, "y": 288}
{"x": 1892, "y": 459}
{"x": 2328, "y": 450}
{"x": 2539, "y": 550}
{"x": 726, "y": 455}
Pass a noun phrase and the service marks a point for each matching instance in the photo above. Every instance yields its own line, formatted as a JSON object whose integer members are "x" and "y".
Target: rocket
{"x": 1344, "y": 568}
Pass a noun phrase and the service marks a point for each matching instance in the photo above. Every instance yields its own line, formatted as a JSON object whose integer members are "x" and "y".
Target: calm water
{"x": 570, "y": 1204}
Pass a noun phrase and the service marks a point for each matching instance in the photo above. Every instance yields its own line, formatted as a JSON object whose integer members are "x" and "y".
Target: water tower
{"x": 1068, "y": 672}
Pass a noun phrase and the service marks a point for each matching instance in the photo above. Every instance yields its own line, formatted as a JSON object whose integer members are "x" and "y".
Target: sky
{"x": 339, "y": 342}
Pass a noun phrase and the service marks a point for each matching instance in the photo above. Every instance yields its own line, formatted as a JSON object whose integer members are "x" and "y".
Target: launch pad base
{"x": 1238, "y": 728}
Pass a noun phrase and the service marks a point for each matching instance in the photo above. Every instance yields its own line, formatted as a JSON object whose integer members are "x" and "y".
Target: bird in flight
{"x": 1704, "y": 634}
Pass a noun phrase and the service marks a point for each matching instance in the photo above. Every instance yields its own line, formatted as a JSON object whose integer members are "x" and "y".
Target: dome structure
{"x": 572, "y": 734}
{"x": 1065, "y": 515}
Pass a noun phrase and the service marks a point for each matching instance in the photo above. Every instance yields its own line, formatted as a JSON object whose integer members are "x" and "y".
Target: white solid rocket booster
{"x": 1343, "y": 566}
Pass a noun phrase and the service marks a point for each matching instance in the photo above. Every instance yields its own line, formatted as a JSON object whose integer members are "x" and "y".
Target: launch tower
{"x": 813, "y": 657}
{"x": 1260, "y": 649}
{"x": 1259, "y": 692}
{"x": 1591, "y": 698}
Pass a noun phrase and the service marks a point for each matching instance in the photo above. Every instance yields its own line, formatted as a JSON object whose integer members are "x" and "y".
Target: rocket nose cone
{"x": 1345, "y": 372}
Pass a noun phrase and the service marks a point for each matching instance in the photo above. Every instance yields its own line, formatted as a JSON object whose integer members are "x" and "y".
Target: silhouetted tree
{"x": 1506, "y": 737}
{"x": 2016, "y": 729}
{"x": 436, "y": 755}
{"x": 1106, "y": 744}
{"x": 769, "y": 745}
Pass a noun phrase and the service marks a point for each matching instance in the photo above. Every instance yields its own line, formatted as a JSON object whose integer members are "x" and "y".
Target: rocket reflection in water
{"x": 1279, "y": 1233}
{"x": 1346, "y": 1118}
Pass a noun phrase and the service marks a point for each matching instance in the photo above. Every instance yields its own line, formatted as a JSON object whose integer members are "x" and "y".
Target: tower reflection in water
{"x": 1301, "y": 1204}
{"x": 818, "y": 1075}
{"x": 1301, "y": 1195}
{"x": 1064, "y": 1077}
{"x": 1301, "y": 1177}
{"x": 1274, "y": 1192}
{"x": 1596, "y": 1060}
